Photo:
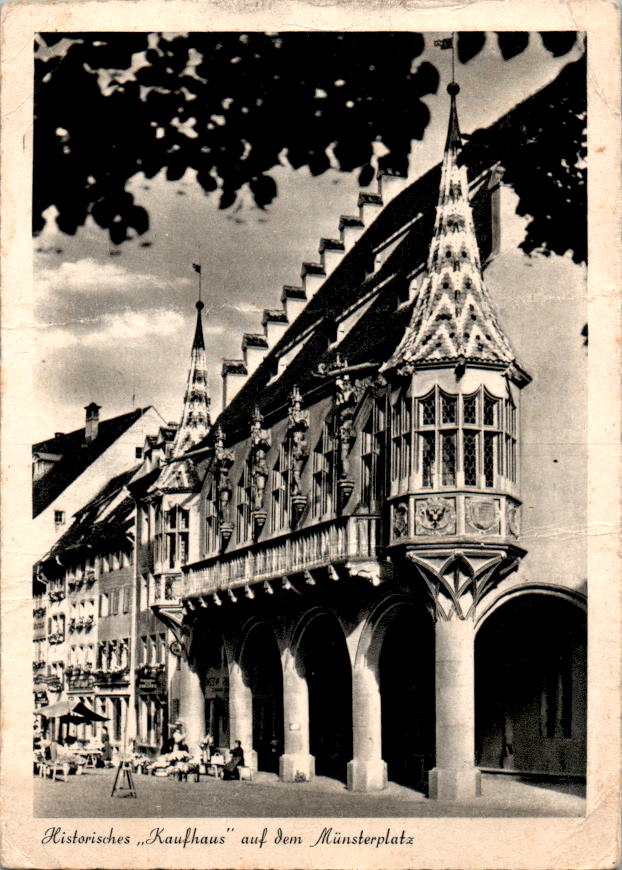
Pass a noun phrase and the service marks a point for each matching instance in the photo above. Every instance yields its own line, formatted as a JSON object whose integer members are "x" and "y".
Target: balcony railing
{"x": 339, "y": 540}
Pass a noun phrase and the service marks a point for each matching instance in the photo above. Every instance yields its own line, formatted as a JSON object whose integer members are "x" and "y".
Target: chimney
{"x": 92, "y": 422}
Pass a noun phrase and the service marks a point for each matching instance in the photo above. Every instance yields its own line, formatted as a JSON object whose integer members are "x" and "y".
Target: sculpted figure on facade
{"x": 223, "y": 461}
{"x": 260, "y": 444}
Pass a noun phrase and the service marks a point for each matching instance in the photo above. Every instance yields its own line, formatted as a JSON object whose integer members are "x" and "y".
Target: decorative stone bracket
{"x": 172, "y": 615}
{"x": 457, "y": 581}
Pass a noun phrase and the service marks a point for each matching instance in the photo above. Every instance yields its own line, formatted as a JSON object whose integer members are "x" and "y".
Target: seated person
{"x": 230, "y": 770}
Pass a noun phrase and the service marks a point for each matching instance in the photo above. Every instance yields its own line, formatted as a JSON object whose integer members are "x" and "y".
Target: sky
{"x": 117, "y": 329}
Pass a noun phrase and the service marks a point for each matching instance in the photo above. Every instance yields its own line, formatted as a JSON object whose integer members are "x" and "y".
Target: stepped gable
{"x": 195, "y": 420}
{"x": 76, "y": 455}
{"x": 409, "y": 218}
{"x": 453, "y": 318}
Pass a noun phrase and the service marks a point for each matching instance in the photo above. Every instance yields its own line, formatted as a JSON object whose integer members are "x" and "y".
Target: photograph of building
{"x": 351, "y": 567}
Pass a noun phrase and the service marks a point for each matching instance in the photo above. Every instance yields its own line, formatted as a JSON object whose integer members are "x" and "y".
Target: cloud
{"x": 89, "y": 276}
{"x": 116, "y": 327}
{"x": 244, "y": 308}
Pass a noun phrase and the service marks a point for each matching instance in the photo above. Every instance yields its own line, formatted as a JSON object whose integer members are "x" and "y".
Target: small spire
{"x": 199, "y": 341}
{"x": 195, "y": 420}
{"x": 453, "y": 319}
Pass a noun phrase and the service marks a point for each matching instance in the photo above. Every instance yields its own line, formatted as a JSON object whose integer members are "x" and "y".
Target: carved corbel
{"x": 457, "y": 582}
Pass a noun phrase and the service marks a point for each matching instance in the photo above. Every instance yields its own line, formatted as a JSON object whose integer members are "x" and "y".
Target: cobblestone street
{"x": 88, "y": 796}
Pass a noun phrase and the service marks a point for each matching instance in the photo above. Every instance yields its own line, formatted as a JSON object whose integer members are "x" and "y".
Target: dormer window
{"x": 59, "y": 518}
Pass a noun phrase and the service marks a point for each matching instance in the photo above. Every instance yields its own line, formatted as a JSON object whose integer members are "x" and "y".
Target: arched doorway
{"x": 261, "y": 666}
{"x": 530, "y": 686}
{"x": 329, "y": 679}
{"x": 406, "y": 676}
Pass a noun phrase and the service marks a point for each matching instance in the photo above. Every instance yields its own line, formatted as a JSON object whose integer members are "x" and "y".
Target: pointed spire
{"x": 453, "y": 319}
{"x": 199, "y": 341}
{"x": 195, "y": 421}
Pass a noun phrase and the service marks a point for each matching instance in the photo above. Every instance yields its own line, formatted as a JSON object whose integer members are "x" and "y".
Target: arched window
{"x": 243, "y": 501}
{"x": 280, "y": 488}
{"x": 324, "y": 472}
{"x": 211, "y": 519}
{"x": 465, "y": 440}
{"x": 401, "y": 439}
{"x": 373, "y": 457}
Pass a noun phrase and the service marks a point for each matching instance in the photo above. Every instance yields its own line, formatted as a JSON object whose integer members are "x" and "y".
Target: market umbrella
{"x": 71, "y": 711}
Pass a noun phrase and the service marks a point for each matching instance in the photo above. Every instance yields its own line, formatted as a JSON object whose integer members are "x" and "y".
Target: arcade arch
{"x": 530, "y": 684}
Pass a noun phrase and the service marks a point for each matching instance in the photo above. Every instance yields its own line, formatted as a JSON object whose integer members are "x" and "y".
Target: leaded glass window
{"x": 470, "y": 457}
{"x": 428, "y": 410}
{"x": 448, "y": 408}
{"x": 401, "y": 432}
{"x": 427, "y": 458}
{"x": 469, "y": 409}
{"x": 324, "y": 478}
{"x": 448, "y": 458}
{"x": 490, "y": 410}
{"x": 489, "y": 461}
{"x": 373, "y": 457}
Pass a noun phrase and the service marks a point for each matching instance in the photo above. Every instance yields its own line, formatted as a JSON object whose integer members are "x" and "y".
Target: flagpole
{"x": 453, "y": 57}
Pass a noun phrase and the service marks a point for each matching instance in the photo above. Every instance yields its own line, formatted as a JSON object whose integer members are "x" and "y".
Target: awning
{"x": 77, "y": 711}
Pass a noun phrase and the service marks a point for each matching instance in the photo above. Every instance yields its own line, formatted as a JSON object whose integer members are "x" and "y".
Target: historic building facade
{"x": 333, "y": 571}
{"x": 354, "y": 605}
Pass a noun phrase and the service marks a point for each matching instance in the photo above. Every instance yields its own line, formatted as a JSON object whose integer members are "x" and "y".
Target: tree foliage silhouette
{"x": 230, "y": 105}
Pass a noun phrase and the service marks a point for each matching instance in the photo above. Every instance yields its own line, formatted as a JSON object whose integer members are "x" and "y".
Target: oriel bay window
{"x": 460, "y": 440}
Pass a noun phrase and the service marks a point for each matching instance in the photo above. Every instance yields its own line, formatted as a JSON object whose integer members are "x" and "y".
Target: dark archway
{"x": 261, "y": 664}
{"x": 406, "y": 674}
{"x": 530, "y": 686}
{"x": 329, "y": 679}
{"x": 213, "y": 660}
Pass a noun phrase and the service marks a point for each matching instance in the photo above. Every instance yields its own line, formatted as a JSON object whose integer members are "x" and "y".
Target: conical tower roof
{"x": 195, "y": 421}
{"x": 453, "y": 319}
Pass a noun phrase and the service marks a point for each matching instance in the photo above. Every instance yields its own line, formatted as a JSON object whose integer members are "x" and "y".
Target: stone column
{"x": 296, "y": 760}
{"x": 191, "y": 706}
{"x": 241, "y": 714}
{"x": 367, "y": 771}
{"x": 455, "y": 777}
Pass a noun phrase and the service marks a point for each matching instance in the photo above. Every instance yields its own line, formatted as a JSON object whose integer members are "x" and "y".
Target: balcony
{"x": 344, "y": 539}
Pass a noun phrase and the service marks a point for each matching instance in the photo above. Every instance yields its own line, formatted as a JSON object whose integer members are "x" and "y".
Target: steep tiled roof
{"x": 87, "y": 531}
{"x": 76, "y": 455}
{"x": 453, "y": 318}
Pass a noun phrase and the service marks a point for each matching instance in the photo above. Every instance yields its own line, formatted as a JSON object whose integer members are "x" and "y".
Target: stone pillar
{"x": 367, "y": 771}
{"x": 191, "y": 706}
{"x": 455, "y": 777}
{"x": 296, "y": 760}
{"x": 241, "y": 714}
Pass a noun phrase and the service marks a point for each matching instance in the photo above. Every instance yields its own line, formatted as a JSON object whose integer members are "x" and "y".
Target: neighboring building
{"x": 167, "y": 490}
{"x": 89, "y": 577}
{"x": 70, "y": 468}
{"x": 354, "y": 603}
